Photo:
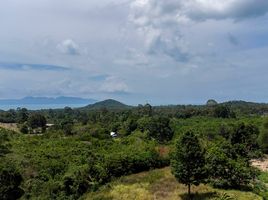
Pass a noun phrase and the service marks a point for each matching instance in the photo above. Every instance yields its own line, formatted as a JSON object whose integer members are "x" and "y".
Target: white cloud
{"x": 193, "y": 47}
{"x": 162, "y": 21}
{"x": 114, "y": 85}
{"x": 68, "y": 47}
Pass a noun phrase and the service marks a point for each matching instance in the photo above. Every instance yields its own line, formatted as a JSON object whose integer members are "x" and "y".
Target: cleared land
{"x": 262, "y": 164}
{"x": 160, "y": 184}
{"x": 9, "y": 126}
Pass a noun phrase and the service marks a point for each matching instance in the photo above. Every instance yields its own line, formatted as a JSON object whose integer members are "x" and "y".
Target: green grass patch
{"x": 160, "y": 184}
{"x": 264, "y": 177}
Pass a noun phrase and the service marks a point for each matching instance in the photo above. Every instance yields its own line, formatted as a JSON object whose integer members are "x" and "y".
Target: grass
{"x": 160, "y": 184}
{"x": 264, "y": 177}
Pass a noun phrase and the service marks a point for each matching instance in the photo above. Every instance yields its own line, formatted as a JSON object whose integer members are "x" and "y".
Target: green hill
{"x": 109, "y": 104}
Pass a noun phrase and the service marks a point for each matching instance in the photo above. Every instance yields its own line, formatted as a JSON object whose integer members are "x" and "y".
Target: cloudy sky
{"x": 136, "y": 51}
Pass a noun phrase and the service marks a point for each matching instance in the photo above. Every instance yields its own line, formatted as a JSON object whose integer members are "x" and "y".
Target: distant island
{"x": 47, "y": 101}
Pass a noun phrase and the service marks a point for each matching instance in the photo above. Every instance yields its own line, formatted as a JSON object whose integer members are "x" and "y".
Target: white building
{"x": 113, "y": 134}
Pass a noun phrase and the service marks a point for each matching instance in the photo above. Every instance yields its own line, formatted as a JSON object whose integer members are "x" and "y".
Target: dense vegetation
{"x": 65, "y": 153}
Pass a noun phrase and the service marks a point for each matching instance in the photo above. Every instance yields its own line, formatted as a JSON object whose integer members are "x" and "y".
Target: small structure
{"x": 49, "y": 125}
{"x": 113, "y": 134}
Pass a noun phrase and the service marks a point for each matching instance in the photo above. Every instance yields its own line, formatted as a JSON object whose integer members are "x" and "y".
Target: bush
{"x": 24, "y": 129}
{"x": 159, "y": 129}
{"x": 10, "y": 180}
{"x": 226, "y": 169}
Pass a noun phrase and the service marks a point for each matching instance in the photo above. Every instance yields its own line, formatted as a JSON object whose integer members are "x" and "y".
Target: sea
{"x": 40, "y": 106}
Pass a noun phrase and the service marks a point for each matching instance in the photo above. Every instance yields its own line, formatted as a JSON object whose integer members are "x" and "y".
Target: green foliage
{"x": 159, "y": 129}
{"x": 223, "y": 111}
{"x": 143, "y": 123}
{"x": 22, "y": 115}
{"x": 8, "y": 116}
{"x": 226, "y": 168}
{"x": 37, "y": 120}
{"x": 4, "y": 143}
{"x": 263, "y": 137}
{"x": 188, "y": 163}
{"x": 130, "y": 125}
{"x": 24, "y": 129}
{"x": 145, "y": 110}
{"x": 244, "y": 140}
{"x": 78, "y": 155}
{"x": 10, "y": 180}
{"x": 76, "y": 181}
{"x": 66, "y": 167}
{"x": 67, "y": 127}
{"x": 211, "y": 102}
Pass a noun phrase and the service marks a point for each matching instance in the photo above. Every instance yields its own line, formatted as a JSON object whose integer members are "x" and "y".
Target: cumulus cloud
{"x": 68, "y": 47}
{"x": 161, "y": 21}
{"x": 181, "y": 11}
{"x": 157, "y": 21}
{"x": 138, "y": 47}
{"x": 113, "y": 84}
{"x": 217, "y": 9}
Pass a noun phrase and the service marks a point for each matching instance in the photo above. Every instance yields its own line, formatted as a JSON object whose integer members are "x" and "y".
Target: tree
{"x": 226, "y": 168}
{"x": 23, "y": 115}
{"x": 130, "y": 125}
{"x": 222, "y": 111}
{"x": 24, "y": 129}
{"x": 143, "y": 123}
{"x": 244, "y": 140}
{"x": 211, "y": 102}
{"x": 263, "y": 138}
{"x": 188, "y": 163}
{"x": 145, "y": 110}
{"x": 67, "y": 127}
{"x": 10, "y": 180}
{"x": 37, "y": 120}
{"x": 159, "y": 129}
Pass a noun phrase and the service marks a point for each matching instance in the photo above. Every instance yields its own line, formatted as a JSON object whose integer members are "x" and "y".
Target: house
{"x": 113, "y": 134}
{"x": 49, "y": 125}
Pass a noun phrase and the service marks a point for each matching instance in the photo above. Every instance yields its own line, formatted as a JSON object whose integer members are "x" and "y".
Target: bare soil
{"x": 9, "y": 126}
{"x": 261, "y": 164}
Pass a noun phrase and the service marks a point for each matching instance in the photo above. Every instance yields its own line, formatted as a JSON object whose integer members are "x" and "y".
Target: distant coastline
{"x": 40, "y": 106}
{"x": 36, "y": 103}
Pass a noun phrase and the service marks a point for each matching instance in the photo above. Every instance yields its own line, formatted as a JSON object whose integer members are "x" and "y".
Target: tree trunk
{"x": 189, "y": 191}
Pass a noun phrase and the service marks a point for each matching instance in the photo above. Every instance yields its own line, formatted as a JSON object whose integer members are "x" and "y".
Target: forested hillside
{"x": 82, "y": 153}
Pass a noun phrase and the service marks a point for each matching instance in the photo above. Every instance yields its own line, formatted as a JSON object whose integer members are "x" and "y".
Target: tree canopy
{"x": 188, "y": 164}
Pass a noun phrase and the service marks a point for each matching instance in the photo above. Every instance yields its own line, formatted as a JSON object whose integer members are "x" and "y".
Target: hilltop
{"x": 109, "y": 104}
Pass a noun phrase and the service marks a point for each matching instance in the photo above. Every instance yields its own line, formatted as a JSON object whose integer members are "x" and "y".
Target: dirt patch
{"x": 9, "y": 126}
{"x": 261, "y": 164}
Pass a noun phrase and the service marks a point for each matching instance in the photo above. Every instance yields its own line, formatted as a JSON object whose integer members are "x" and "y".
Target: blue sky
{"x": 136, "y": 51}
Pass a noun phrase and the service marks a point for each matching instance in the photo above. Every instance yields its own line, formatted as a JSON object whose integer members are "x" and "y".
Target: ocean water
{"x": 40, "y": 106}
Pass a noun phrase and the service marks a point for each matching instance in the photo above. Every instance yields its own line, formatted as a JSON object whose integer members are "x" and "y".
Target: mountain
{"x": 46, "y": 100}
{"x": 109, "y": 104}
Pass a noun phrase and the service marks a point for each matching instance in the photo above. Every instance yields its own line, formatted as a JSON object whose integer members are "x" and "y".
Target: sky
{"x": 135, "y": 51}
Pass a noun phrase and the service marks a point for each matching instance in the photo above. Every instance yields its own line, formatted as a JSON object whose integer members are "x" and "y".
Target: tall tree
{"x": 188, "y": 163}
{"x": 159, "y": 129}
{"x": 37, "y": 120}
{"x": 263, "y": 137}
{"x": 23, "y": 115}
